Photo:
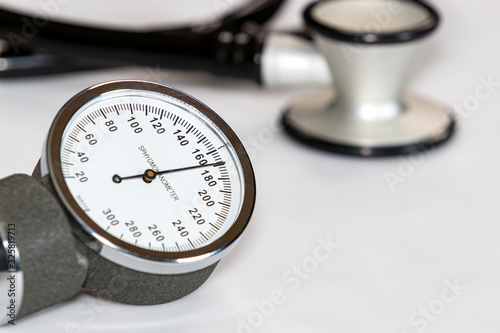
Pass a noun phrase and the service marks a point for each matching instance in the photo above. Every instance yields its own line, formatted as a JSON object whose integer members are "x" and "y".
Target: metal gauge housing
{"x": 157, "y": 178}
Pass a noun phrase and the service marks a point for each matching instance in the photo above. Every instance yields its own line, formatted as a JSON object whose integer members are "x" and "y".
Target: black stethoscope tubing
{"x": 228, "y": 47}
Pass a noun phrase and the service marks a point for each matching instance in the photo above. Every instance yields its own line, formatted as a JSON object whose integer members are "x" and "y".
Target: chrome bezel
{"x": 116, "y": 250}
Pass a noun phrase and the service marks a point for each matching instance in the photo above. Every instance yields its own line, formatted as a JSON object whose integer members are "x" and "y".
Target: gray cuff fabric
{"x": 52, "y": 270}
{"x": 113, "y": 282}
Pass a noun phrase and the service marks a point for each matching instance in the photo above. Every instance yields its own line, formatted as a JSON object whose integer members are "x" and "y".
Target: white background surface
{"x": 397, "y": 248}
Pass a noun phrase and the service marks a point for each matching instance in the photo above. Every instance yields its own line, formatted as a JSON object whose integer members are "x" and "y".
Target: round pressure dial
{"x": 151, "y": 173}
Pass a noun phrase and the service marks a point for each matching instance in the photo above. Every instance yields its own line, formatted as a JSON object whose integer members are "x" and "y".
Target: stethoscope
{"x": 365, "y": 114}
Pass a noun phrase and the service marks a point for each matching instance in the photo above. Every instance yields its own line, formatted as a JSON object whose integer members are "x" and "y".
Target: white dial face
{"x": 152, "y": 171}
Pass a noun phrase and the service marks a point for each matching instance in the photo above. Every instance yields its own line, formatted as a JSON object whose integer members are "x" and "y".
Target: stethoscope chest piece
{"x": 369, "y": 46}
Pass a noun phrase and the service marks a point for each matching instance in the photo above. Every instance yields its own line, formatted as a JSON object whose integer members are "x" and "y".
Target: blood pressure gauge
{"x": 156, "y": 186}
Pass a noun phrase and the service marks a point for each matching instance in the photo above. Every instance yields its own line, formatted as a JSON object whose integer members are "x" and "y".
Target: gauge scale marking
{"x": 151, "y": 174}
{"x": 197, "y": 220}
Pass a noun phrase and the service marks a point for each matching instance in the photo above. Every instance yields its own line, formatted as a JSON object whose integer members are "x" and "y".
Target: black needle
{"x": 149, "y": 174}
